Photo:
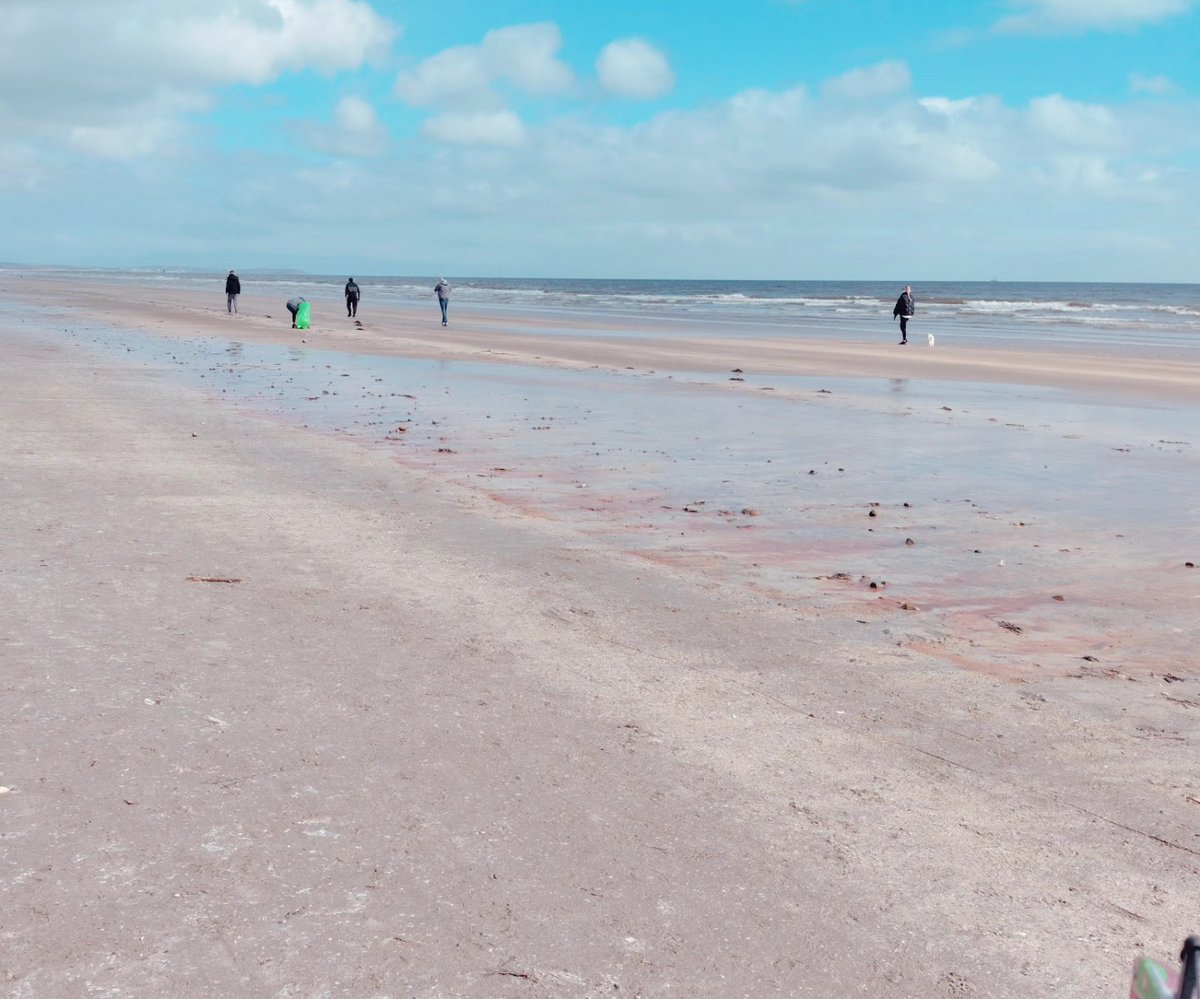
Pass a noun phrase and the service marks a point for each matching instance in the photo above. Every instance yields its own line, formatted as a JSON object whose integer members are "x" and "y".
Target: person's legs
{"x": 443, "y": 302}
{"x": 354, "y": 306}
{"x": 231, "y": 302}
{"x": 904, "y": 329}
{"x": 349, "y": 308}
{"x": 293, "y": 312}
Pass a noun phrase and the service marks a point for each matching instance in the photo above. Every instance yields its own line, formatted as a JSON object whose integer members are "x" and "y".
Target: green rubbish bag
{"x": 303, "y": 321}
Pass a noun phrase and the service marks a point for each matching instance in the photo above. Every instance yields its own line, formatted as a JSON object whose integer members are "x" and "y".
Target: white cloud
{"x": 465, "y": 77}
{"x": 1073, "y": 124}
{"x": 1158, "y": 85}
{"x": 112, "y": 79}
{"x": 492, "y": 128}
{"x": 872, "y": 82}
{"x": 355, "y": 116}
{"x": 1052, "y": 16}
{"x": 632, "y": 67}
{"x": 524, "y": 55}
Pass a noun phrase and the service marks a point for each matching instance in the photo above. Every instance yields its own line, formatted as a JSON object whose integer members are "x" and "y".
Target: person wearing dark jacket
{"x": 904, "y": 310}
{"x": 233, "y": 288}
{"x": 352, "y": 296}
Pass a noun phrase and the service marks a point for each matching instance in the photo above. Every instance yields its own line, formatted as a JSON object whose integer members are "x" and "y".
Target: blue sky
{"x": 1017, "y": 139}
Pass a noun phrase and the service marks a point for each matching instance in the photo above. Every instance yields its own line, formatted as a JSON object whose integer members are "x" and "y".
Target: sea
{"x": 1151, "y": 317}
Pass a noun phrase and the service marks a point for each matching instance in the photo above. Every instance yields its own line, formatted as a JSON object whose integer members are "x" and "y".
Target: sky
{"x": 1053, "y": 140}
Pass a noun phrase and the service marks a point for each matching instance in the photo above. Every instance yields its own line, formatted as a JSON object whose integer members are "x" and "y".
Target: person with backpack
{"x": 352, "y": 297}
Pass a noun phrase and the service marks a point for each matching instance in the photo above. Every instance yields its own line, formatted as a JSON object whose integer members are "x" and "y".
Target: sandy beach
{"x": 556, "y": 656}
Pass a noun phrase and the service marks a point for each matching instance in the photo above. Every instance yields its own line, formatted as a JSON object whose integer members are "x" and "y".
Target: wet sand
{"x": 410, "y": 661}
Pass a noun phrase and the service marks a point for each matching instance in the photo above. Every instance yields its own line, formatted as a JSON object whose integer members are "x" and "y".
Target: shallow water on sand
{"x": 1012, "y": 529}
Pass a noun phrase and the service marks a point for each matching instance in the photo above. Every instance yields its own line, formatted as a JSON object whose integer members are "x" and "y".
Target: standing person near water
{"x": 233, "y": 288}
{"x": 352, "y": 296}
{"x": 904, "y": 310}
{"x": 442, "y": 288}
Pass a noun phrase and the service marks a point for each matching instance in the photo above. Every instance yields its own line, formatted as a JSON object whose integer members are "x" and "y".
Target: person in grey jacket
{"x": 904, "y": 310}
{"x": 293, "y": 306}
{"x": 442, "y": 288}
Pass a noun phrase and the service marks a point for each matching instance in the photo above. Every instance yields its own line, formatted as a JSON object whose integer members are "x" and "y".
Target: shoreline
{"x": 622, "y": 343}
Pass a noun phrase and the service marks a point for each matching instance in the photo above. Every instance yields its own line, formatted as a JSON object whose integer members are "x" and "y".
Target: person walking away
{"x": 443, "y": 294}
{"x": 352, "y": 296}
{"x": 293, "y": 306}
{"x": 233, "y": 288}
{"x": 904, "y": 310}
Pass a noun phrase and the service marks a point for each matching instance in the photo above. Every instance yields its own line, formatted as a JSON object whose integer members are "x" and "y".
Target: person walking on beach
{"x": 443, "y": 293}
{"x": 293, "y": 306}
{"x": 352, "y": 296}
{"x": 905, "y": 307}
{"x": 233, "y": 288}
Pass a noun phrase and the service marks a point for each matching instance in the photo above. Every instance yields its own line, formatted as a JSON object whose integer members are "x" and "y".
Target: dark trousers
{"x": 443, "y": 302}
{"x": 904, "y": 327}
{"x": 351, "y": 305}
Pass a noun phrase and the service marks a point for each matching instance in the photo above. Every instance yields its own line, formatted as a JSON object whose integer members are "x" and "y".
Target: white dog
{"x": 929, "y": 337}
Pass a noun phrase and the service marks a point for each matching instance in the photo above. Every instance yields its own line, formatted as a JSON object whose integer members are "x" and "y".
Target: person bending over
{"x": 293, "y": 306}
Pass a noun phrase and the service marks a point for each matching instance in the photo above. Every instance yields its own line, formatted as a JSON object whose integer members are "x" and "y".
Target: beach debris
{"x": 214, "y": 579}
{"x": 1090, "y": 659}
{"x": 947, "y": 409}
{"x": 748, "y": 511}
{"x": 1189, "y": 565}
{"x": 907, "y": 505}
{"x": 737, "y": 371}
{"x": 872, "y": 513}
{"x": 5, "y": 790}
{"x": 1059, "y": 597}
{"x": 909, "y": 607}
{"x": 824, "y": 392}
{"x": 909, "y": 541}
{"x": 878, "y": 584}
{"x": 1009, "y": 626}
{"x": 812, "y": 471}
{"x": 1091, "y": 672}
{"x": 735, "y": 378}
{"x": 445, "y": 450}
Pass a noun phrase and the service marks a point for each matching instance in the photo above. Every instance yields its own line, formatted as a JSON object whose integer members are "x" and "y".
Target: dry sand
{"x": 287, "y": 718}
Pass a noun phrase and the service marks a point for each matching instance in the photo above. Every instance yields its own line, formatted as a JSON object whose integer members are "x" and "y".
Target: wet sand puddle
{"x": 1018, "y": 531}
